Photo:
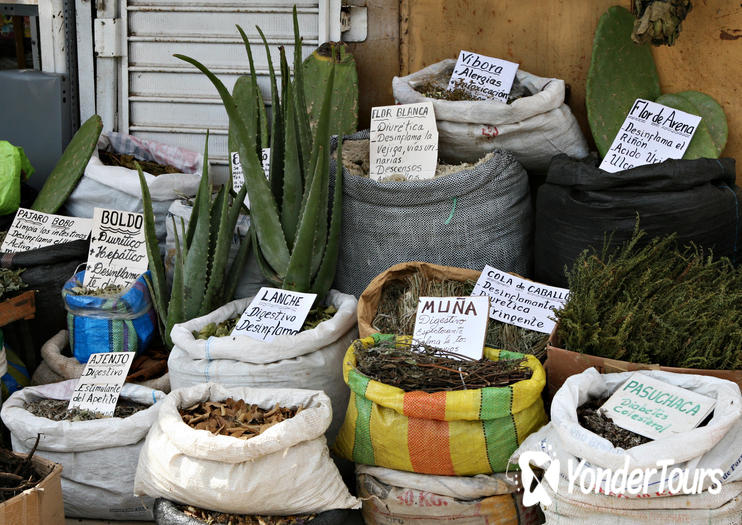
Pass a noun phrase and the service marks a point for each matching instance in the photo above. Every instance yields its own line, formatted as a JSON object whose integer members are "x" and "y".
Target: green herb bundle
{"x": 661, "y": 303}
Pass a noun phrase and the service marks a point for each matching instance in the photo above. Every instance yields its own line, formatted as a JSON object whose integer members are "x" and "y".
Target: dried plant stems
{"x": 234, "y": 417}
{"x": 17, "y": 473}
{"x": 218, "y": 518}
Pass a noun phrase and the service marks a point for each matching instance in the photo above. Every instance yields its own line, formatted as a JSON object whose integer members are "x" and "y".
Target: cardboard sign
{"x": 518, "y": 301}
{"x": 33, "y": 229}
{"x": 651, "y": 133}
{"x": 118, "y": 253}
{"x": 101, "y": 381}
{"x": 654, "y": 409}
{"x": 455, "y": 324}
{"x": 274, "y": 312}
{"x": 483, "y": 77}
{"x": 404, "y": 141}
{"x": 238, "y": 176}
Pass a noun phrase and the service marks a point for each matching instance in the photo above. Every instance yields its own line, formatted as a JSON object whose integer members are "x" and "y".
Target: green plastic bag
{"x": 13, "y": 165}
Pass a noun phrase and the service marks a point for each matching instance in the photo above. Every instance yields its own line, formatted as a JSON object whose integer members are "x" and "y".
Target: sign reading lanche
{"x": 274, "y": 312}
{"x": 454, "y": 324}
{"x": 483, "y": 77}
{"x": 101, "y": 381}
{"x": 651, "y": 133}
{"x": 238, "y": 176}
{"x": 654, "y": 409}
{"x": 520, "y": 302}
{"x": 403, "y": 142}
{"x": 33, "y": 229}
{"x": 118, "y": 253}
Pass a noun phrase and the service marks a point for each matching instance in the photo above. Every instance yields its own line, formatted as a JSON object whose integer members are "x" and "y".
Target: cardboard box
{"x": 41, "y": 505}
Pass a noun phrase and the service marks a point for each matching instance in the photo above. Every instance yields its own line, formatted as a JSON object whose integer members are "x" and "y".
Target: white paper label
{"x": 518, "y": 301}
{"x": 238, "y": 176}
{"x": 483, "y": 77}
{"x": 455, "y": 324}
{"x": 101, "y": 381}
{"x": 33, "y": 229}
{"x": 651, "y": 133}
{"x": 274, "y": 312}
{"x": 118, "y": 253}
{"x": 654, "y": 409}
{"x": 404, "y": 141}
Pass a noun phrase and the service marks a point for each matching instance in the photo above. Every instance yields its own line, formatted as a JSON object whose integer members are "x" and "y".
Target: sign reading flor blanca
{"x": 274, "y": 312}
{"x": 101, "y": 381}
{"x": 651, "y": 133}
{"x": 118, "y": 253}
{"x": 404, "y": 141}
{"x": 238, "y": 176}
{"x": 455, "y": 324}
{"x": 518, "y": 301}
{"x": 33, "y": 229}
{"x": 483, "y": 77}
{"x": 653, "y": 408}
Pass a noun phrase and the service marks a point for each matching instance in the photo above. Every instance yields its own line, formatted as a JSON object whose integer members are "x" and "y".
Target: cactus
{"x": 711, "y": 135}
{"x": 620, "y": 72}
{"x": 201, "y": 279}
{"x": 316, "y": 71}
{"x": 70, "y": 167}
{"x": 295, "y": 231}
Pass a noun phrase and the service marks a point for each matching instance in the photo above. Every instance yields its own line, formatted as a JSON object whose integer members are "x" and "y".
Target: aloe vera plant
{"x": 202, "y": 280}
{"x": 295, "y": 229}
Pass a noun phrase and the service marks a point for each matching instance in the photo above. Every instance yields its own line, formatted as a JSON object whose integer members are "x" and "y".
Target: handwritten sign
{"x": 651, "y": 133}
{"x": 274, "y": 312}
{"x": 652, "y": 408}
{"x": 32, "y": 229}
{"x": 101, "y": 381}
{"x": 483, "y": 77}
{"x": 455, "y": 324}
{"x": 518, "y": 301}
{"x": 404, "y": 141}
{"x": 238, "y": 176}
{"x": 118, "y": 254}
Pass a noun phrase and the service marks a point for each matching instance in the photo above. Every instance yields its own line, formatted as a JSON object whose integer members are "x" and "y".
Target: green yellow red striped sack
{"x": 461, "y": 433}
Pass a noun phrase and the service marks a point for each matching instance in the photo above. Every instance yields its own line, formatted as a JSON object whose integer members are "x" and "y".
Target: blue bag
{"x": 124, "y": 323}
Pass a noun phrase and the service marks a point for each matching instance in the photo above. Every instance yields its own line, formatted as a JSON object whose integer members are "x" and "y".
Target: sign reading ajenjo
{"x": 101, "y": 381}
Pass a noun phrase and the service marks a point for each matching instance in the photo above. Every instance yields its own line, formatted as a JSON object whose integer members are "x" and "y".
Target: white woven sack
{"x": 311, "y": 359}
{"x": 98, "y": 457}
{"x": 285, "y": 470}
{"x": 533, "y": 128}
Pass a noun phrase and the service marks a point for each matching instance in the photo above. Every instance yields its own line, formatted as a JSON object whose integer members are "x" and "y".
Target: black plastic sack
{"x": 166, "y": 513}
{"x": 579, "y": 205}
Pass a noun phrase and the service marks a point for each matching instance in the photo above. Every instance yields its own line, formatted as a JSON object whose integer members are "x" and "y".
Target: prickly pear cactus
{"x": 620, "y": 72}
{"x": 711, "y": 136}
{"x": 317, "y": 70}
{"x": 69, "y": 169}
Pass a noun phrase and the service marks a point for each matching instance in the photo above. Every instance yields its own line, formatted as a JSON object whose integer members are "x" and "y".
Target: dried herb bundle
{"x": 592, "y": 419}
{"x": 56, "y": 410}
{"x": 434, "y": 88}
{"x": 223, "y": 329}
{"x": 111, "y": 158}
{"x": 416, "y": 366}
{"x": 397, "y": 312}
{"x": 17, "y": 473}
{"x": 212, "y": 517}
{"x": 655, "y": 304}
{"x": 10, "y": 281}
{"x": 235, "y": 417}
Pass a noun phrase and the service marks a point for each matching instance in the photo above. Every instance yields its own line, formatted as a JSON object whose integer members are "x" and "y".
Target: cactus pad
{"x": 711, "y": 135}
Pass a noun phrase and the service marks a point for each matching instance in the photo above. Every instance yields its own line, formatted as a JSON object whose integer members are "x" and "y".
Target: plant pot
{"x": 41, "y": 505}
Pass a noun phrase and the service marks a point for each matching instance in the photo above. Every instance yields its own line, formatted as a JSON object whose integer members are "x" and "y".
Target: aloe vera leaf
{"x": 157, "y": 268}
{"x": 235, "y": 269}
{"x": 70, "y": 167}
{"x": 620, "y": 72}
{"x": 285, "y": 75}
{"x": 215, "y": 218}
{"x": 326, "y": 273}
{"x": 302, "y": 116}
{"x": 263, "y": 117}
{"x": 292, "y": 183}
{"x": 271, "y": 276}
{"x": 175, "y": 312}
{"x": 702, "y": 144}
{"x": 712, "y": 114}
{"x": 265, "y": 212}
{"x": 244, "y": 96}
{"x": 204, "y": 188}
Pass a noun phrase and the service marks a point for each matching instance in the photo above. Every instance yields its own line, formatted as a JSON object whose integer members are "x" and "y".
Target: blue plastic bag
{"x": 124, "y": 323}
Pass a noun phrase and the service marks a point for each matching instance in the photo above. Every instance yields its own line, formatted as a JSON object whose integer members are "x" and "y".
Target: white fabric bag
{"x": 98, "y": 457}
{"x": 285, "y": 470}
{"x": 311, "y": 359}
{"x": 533, "y": 128}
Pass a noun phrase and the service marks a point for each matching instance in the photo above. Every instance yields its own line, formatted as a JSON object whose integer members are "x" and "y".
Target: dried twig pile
{"x": 17, "y": 473}
{"x": 212, "y": 517}
{"x": 235, "y": 417}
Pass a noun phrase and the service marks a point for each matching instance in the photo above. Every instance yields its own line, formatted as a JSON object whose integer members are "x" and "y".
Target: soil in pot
{"x": 56, "y": 410}
{"x": 17, "y": 473}
{"x": 111, "y": 158}
{"x": 593, "y": 420}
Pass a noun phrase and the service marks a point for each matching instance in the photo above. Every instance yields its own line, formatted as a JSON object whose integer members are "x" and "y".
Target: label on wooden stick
{"x": 454, "y": 324}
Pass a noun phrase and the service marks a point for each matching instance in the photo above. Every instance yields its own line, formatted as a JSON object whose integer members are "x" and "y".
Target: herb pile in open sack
{"x": 56, "y": 410}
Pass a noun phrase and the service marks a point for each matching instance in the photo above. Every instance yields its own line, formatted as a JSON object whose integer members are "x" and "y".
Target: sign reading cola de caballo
{"x": 454, "y": 324}
{"x": 273, "y": 312}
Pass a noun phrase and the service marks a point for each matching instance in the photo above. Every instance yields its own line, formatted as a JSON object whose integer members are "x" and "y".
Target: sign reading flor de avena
{"x": 100, "y": 383}
{"x": 652, "y": 408}
{"x": 33, "y": 229}
{"x": 483, "y": 77}
{"x": 273, "y": 312}
{"x": 238, "y": 176}
{"x": 651, "y": 133}
{"x": 454, "y": 324}
{"x": 520, "y": 302}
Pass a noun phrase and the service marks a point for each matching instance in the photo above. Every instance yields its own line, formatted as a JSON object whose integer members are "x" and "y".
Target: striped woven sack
{"x": 124, "y": 323}
{"x": 459, "y": 433}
